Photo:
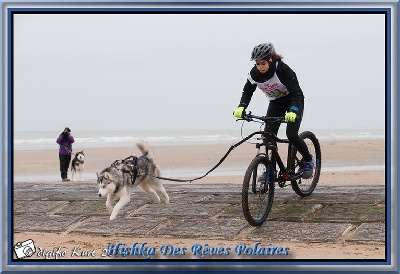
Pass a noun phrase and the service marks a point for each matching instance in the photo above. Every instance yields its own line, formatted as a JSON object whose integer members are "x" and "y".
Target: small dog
{"x": 77, "y": 165}
{"x": 118, "y": 180}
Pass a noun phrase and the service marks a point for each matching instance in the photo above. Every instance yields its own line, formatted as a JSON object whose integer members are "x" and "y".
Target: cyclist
{"x": 279, "y": 83}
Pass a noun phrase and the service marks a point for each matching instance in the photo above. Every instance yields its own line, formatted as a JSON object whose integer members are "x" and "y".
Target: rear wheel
{"x": 258, "y": 191}
{"x": 304, "y": 187}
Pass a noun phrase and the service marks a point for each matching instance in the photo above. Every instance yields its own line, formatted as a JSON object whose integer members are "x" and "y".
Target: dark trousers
{"x": 64, "y": 165}
{"x": 292, "y": 129}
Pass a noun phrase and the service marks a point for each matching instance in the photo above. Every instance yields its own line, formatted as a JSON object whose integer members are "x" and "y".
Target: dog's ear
{"x": 108, "y": 176}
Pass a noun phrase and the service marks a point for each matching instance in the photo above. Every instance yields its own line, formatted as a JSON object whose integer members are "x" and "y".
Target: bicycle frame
{"x": 270, "y": 140}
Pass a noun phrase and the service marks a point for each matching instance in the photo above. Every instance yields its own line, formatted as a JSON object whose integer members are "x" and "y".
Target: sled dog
{"x": 121, "y": 177}
{"x": 77, "y": 165}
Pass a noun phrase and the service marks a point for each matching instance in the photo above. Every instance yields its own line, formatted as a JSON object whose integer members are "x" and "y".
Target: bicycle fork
{"x": 269, "y": 173}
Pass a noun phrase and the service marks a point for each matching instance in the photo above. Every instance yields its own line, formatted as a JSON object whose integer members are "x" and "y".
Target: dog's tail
{"x": 144, "y": 147}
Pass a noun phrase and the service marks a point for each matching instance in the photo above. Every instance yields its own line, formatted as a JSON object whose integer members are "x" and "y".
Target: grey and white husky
{"x": 77, "y": 165}
{"x": 116, "y": 180}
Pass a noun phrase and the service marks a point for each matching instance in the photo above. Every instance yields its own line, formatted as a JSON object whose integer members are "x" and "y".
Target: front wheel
{"x": 258, "y": 190}
{"x": 304, "y": 187}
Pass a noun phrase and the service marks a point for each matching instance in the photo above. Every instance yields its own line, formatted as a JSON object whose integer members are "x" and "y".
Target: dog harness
{"x": 78, "y": 162}
{"x": 130, "y": 167}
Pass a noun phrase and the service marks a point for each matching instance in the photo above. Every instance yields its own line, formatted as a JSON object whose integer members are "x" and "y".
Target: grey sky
{"x": 116, "y": 72}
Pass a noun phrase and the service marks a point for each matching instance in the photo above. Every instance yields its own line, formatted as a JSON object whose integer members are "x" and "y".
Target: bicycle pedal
{"x": 282, "y": 184}
{"x": 283, "y": 176}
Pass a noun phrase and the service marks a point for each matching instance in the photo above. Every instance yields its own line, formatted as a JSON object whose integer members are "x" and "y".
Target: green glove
{"x": 290, "y": 116}
{"x": 238, "y": 112}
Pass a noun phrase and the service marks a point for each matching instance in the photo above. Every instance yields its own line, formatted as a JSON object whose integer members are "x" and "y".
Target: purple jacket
{"x": 65, "y": 144}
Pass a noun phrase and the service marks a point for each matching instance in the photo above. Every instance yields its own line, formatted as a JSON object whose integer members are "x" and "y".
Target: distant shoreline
{"x": 97, "y": 139}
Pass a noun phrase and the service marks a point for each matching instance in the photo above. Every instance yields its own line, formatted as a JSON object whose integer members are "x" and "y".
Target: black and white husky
{"x": 77, "y": 165}
{"x": 118, "y": 180}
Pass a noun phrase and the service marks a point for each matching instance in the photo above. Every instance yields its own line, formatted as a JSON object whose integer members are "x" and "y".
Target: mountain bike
{"x": 261, "y": 175}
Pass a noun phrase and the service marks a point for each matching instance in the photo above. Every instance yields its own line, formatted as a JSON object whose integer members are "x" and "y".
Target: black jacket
{"x": 287, "y": 77}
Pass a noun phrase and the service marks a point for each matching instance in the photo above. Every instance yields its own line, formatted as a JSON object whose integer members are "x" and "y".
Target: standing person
{"x": 279, "y": 83}
{"x": 65, "y": 141}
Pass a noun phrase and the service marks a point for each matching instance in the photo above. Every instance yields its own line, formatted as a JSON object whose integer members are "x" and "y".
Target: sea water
{"x": 29, "y": 140}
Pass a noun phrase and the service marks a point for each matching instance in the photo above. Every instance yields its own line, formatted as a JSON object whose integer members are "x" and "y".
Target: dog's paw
{"x": 112, "y": 217}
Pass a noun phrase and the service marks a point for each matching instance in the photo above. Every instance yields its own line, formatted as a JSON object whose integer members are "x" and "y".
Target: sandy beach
{"x": 198, "y": 159}
{"x": 356, "y": 154}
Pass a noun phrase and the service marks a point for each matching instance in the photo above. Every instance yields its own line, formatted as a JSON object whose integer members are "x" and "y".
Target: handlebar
{"x": 249, "y": 117}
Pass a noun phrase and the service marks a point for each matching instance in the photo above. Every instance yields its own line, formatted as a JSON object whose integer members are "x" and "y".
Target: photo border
{"x": 391, "y": 160}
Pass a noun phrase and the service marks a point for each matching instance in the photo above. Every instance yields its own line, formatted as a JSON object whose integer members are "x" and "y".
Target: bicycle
{"x": 260, "y": 177}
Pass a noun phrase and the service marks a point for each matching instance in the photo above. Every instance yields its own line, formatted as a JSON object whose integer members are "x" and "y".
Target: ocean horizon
{"x": 31, "y": 140}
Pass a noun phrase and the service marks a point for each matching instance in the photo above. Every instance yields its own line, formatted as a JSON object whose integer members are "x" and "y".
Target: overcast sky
{"x": 143, "y": 71}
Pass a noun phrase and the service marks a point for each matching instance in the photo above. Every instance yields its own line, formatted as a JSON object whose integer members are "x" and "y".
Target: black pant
{"x": 64, "y": 165}
{"x": 292, "y": 129}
